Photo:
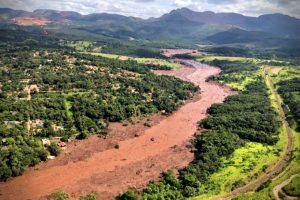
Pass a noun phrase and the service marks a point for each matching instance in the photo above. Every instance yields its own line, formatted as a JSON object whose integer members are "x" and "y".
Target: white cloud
{"x": 183, "y": 3}
{"x": 155, "y": 8}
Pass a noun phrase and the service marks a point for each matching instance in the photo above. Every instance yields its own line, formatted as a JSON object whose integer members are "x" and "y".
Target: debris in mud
{"x": 62, "y": 144}
{"x": 136, "y": 135}
{"x": 50, "y": 157}
{"x": 193, "y": 150}
{"x": 147, "y": 124}
{"x": 152, "y": 165}
{"x": 138, "y": 172}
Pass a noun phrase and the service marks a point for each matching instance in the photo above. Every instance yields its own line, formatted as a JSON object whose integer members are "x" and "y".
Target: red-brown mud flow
{"x": 136, "y": 162}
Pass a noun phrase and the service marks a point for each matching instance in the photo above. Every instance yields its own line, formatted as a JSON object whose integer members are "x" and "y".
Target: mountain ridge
{"x": 179, "y": 10}
{"x": 178, "y": 25}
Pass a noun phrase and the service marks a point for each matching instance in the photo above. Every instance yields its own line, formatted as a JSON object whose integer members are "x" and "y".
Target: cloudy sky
{"x": 155, "y": 8}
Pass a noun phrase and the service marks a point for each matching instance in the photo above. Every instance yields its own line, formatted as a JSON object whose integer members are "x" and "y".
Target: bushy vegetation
{"x": 246, "y": 117}
{"x": 290, "y": 92}
{"x": 293, "y": 188}
{"x": 49, "y": 93}
{"x": 60, "y": 195}
{"x": 249, "y": 115}
{"x": 18, "y": 150}
{"x": 283, "y": 76}
{"x": 139, "y": 49}
{"x": 54, "y": 149}
{"x": 236, "y": 72}
{"x": 91, "y": 196}
{"x": 151, "y": 62}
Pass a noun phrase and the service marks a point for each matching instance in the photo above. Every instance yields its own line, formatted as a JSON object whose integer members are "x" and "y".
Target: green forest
{"x": 49, "y": 93}
{"x": 290, "y": 91}
{"x": 246, "y": 117}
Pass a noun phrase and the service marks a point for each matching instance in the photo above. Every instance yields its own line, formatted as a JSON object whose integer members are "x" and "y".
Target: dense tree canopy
{"x": 290, "y": 91}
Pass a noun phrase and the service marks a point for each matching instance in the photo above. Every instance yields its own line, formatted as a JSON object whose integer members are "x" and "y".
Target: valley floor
{"x": 94, "y": 165}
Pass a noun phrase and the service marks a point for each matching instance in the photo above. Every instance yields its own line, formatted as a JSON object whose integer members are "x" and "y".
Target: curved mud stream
{"x": 139, "y": 159}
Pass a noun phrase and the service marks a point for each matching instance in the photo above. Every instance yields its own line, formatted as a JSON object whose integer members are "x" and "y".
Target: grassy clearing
{"x": 267, "y": 193}
{"x": 157, "y": 62}
{"x": 293, "y": 168}
{"x": 153, "y": 61}
{"x": 245, "y": 164}
{"x": 211, "y": 58}
{"x": 240, "y": 78}
{"x": 286, "y": 73}
{"x": 242, "y": 59}
{"x": 243, "y": 79}
{"x": 271, "y": 96}
{"x": 83, "y": 46}
{"x": 68, "y": 106}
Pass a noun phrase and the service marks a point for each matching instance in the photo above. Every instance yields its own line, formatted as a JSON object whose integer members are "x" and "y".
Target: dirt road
{"x": 86, "y": 167}
{"x": 278, "y": 188}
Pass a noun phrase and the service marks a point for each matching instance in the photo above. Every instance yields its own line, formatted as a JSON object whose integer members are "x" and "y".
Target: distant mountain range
{"x": 179, "y": 25}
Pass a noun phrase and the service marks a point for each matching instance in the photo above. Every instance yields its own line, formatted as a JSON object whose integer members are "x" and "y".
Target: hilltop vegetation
{"x": 264, "y": 36}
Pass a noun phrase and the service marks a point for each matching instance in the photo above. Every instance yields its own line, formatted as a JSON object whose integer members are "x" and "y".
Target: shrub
{"x": 82, "y": 135}
{"x": 264, "y": 185}
{"x": 129, "y": 195}
{"x": 54, "y": 149}
{"x": 91, "y": 196}
{"x": 60, "y": 195}
{"x": 64, "y": 138}
{"x": 147, "y": 124}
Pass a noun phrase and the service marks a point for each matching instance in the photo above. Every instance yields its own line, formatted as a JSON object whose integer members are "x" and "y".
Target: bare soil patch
{"x": 94, "y": 165}
{"x": 30, "y": 21}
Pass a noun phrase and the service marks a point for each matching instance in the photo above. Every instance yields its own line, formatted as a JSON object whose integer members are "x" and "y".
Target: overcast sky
{"x": 155, "y": 8}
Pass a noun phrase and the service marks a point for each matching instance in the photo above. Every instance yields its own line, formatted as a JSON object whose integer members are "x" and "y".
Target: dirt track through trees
{"x": 138, "y": 160}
